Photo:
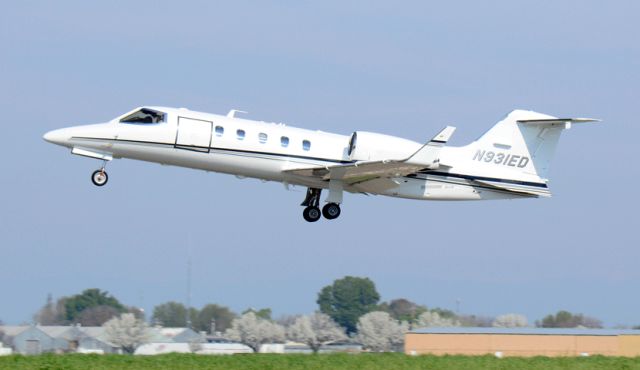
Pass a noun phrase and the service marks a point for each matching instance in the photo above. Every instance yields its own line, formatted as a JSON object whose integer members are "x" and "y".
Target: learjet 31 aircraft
{"x": 511, "y": 160}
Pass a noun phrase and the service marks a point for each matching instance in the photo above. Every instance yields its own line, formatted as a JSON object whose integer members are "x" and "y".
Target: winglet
{"x": 444, "y": 135}
{"x": 429, "y": 154}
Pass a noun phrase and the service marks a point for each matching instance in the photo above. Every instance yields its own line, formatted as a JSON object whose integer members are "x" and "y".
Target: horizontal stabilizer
{"x": 557, "y": 121}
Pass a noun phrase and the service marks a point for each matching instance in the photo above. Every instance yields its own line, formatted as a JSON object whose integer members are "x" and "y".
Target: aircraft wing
{"x": 353, "y": 173}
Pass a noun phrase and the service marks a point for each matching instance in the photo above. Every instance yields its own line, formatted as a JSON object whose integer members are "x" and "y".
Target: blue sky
{"x": 401, "y": 68}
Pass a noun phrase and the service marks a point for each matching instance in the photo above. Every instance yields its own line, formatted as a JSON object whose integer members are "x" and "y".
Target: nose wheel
{"x": 99, "y": 177}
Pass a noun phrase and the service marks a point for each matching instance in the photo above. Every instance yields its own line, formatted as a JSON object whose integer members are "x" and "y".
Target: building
{"x": 36, "y": 339}
{"x": 343, "y": 346}
{"x": 96, "y": 341}
{"x": 198, "y": 348}
{"x": 30, "y": 340}
{"x": 523, "y": 342}
{"x": 161, "y": 334}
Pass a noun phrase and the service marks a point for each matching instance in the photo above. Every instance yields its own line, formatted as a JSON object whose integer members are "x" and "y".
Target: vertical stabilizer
{"x": 520, "y": 147}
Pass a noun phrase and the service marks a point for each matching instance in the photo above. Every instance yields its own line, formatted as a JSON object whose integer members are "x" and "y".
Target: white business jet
{"x": 511, "y": 160}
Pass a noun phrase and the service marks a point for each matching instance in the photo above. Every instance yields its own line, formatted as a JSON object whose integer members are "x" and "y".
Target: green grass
{"x": 384, "y": 361}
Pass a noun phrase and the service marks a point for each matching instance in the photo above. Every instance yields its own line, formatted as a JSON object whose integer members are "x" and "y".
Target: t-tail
{"x": 515, "y": 154}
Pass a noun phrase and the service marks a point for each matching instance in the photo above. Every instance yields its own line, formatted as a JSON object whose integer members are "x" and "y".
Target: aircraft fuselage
{"x": 377, "y": 164}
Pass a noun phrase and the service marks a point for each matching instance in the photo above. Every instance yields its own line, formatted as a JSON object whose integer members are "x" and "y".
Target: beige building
{"x": 523, "y": 342}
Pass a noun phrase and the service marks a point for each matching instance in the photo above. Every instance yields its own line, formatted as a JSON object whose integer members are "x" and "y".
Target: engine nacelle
{"x": 369, "y": 146}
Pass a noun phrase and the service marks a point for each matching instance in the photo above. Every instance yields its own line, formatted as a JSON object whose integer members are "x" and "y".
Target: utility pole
{"x": 188, "y": 281}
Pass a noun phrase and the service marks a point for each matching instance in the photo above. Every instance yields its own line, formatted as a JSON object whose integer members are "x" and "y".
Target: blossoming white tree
{"x": 254, "y": 331}
{"x": 315, "y": 330}
{"x": 127, "y": 332}
{"x": 379, "y": 332}
{"x": 433, "y": 319}
{"x": 510, "y": 320}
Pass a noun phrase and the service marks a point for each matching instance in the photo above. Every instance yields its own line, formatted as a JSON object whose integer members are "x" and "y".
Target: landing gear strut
{"x": 100, "y": 177}
{"x": 312, "y": 212}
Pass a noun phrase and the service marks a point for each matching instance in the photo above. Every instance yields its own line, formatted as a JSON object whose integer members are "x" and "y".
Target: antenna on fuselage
{"x": 232, "y": 113}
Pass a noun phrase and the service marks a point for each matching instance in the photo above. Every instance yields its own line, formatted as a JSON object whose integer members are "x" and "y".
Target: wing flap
{"x": 358, "y": 172}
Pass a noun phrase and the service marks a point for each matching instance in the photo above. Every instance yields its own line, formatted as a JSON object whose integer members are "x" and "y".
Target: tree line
{"x": 349, "y": 308}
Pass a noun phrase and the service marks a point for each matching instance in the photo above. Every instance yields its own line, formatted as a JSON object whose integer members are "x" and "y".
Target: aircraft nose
{"x": 59, "y": 137}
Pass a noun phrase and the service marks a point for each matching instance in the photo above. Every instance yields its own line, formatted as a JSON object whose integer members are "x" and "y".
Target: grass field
{"x": 308, "y": 362}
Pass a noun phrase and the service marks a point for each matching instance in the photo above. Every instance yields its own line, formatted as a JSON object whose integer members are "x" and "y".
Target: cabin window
{"x": 284, "y": 141}
{"x": 306, "y": 144}
{"x": 240, "y": 134}
{"x": 262, "y": 137}
{"x": 144, "y": 116}
{"x": 219, "y": 130}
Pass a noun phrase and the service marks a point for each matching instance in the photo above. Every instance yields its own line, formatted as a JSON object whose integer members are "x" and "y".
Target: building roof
{"x": 156, "y": 334}
{"x": 170, "y": 332}
{"x": 526, "y": 331}
{"x": 13, "y": 330}
{"x": 63, "y": 332}
{"x": 93, "y": 331}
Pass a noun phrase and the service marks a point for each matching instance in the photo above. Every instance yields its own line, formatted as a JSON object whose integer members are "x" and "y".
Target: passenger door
{"x": 194, "y": 134}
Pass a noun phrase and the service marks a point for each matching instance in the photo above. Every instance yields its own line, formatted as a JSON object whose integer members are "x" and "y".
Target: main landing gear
{"x": 100, "y": 177}
{"x": 312, "y": 212}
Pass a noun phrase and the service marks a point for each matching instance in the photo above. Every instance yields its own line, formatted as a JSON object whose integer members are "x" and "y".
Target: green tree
{"x": 97, "y": 315}
{"x": 347, "y": 299}
{"x": 213, "y": 317}
{"x": 566, "y": 319}
{"x": 403, "y": 309}
{"x": 89, "y": 298}
{"x": 173, "y": 314}
{"x": 263, "y": 313}
{"x": 444, "y": 313}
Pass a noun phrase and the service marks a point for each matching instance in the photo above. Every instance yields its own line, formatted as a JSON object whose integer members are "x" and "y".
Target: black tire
{"x": 331, "y": 211}
{"x": 99, "y": 178}
{"x": 311, "y": 214}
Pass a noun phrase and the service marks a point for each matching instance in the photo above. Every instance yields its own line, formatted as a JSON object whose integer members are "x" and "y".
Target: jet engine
{"x": 370, "y": 146}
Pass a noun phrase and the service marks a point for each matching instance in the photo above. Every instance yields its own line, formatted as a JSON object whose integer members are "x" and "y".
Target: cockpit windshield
{"x": 144, "y": 115}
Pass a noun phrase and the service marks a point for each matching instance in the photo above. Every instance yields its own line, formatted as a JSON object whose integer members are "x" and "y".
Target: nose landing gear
{"x": 100, "y": 177}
